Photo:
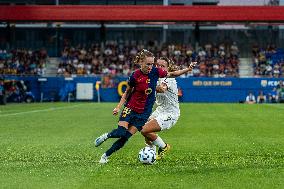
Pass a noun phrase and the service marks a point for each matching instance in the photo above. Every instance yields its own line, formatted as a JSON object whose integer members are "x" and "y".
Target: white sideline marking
{"x": 43, "y": 110}
{"x": 279, "y": 106}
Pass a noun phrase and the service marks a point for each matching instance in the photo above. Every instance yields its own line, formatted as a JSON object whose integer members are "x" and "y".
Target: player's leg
{"x": 149, "y": 128}
{"x": 145, "y": 128}
{"x": 120, "y": 131}
{"x": 160, "y": 122}
{"x": 118, "y": 144}
{"x": 148, "y": 132}
{"x": 134, "y": 123}
{"x": 149, "y": 143}
{"x": 124, "y": 120}
{"x": 116, "y": 133}
{"x": 158, "y": 141}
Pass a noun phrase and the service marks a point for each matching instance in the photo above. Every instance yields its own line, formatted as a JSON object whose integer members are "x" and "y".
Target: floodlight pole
{"x": 165, "y": 27}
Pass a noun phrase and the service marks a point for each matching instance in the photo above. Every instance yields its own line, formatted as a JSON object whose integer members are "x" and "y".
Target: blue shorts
{"x": 133, "y": 118}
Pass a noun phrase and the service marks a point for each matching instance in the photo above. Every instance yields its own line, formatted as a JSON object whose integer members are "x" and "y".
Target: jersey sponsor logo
{"x": 148, "y": 91}
{"x": 126, "y": 111}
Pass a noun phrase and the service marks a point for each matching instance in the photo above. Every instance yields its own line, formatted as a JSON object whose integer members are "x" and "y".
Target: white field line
{"x": 6, "y": 111}
{"x": 41, "y": 110}
{"x": 279, "y": 106}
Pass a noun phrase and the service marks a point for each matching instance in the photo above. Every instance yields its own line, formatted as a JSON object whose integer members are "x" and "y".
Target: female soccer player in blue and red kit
{"x": 138, "y": 100}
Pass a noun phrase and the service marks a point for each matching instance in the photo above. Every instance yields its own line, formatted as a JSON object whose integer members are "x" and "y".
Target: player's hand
{"x": 115, "y": 111}
{"x": 192, "y": 65}
{"x": 162, "y": 88}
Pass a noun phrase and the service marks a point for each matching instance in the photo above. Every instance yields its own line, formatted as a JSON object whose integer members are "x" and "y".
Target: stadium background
{"x": 58, "y": 50}
{"x": 250, "y": 35}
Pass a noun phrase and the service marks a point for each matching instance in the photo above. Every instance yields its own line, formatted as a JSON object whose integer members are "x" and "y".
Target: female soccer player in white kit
{"x": 167, "y": 111}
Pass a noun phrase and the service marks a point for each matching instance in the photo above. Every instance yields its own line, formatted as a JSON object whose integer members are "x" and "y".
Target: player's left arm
{"x": 183, "y": 71}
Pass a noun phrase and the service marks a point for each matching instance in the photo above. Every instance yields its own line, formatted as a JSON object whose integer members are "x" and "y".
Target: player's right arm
{"x": 122, "y": 100}
{"x": 124, "y": 97}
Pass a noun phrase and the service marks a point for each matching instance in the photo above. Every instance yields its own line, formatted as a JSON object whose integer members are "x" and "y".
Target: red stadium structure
{"x": 143, "y": 13}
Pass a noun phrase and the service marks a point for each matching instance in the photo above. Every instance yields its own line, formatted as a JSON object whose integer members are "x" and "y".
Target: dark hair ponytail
{"x": 171, "y": 65}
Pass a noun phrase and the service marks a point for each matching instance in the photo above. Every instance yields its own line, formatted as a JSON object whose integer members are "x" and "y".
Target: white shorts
{"x": 165, "y": 120}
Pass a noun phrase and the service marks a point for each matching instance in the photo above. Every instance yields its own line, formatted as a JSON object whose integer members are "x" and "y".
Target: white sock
{"x": 151, "y": 146}
{"x": 159, "y": 142}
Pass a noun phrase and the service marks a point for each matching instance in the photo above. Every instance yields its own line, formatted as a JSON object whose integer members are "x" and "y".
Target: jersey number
{"x": 125, "y": 112}
{"x": 168, "y": 119}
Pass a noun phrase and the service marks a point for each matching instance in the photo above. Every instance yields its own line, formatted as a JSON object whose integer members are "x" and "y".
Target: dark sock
{"x": 117, "y": 133}
{"x": 118, "y": 144}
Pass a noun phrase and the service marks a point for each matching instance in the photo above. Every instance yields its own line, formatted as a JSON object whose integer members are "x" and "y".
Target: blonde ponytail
{"x": 142, "y": 55}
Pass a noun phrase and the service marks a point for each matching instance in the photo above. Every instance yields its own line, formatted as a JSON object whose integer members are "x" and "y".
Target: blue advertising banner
{"x": 193, "y": 89}
{"x": 224, "y": 89}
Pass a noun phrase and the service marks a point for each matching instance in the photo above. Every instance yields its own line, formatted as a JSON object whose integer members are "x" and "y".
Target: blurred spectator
{"x": 107, "y": 82}
{"x": 17, "y": 91}
{"x": 2, "y": 92}
{"x": 273, "y": 96}
{"x": 23, "y": 62}
{"x": 273, "y": 2}
{"x": 116, "y": 58}
{"x": 261, "y": 98}
{"x": 250, "y": 99}
{"x": 280, "y": 91}
{"x": 234, "y": 49}
{"x": 180, "y": 95}
{"x": 268, "y": 62}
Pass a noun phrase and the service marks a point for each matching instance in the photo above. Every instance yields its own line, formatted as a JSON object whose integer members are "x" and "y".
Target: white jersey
{"x": 168, "y": 101}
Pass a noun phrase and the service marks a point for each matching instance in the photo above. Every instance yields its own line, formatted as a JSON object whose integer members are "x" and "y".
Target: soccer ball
{"x": 147, "y": 155}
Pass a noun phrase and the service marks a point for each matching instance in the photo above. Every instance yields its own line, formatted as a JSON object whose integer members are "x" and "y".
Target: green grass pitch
{"x": 50, "y": 145}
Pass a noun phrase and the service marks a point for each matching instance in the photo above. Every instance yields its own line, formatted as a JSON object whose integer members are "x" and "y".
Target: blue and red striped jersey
{"x": 142, "y": 98}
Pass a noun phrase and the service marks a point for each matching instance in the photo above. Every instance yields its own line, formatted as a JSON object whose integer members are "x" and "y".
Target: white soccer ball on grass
{"x": 147, "y": 155}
